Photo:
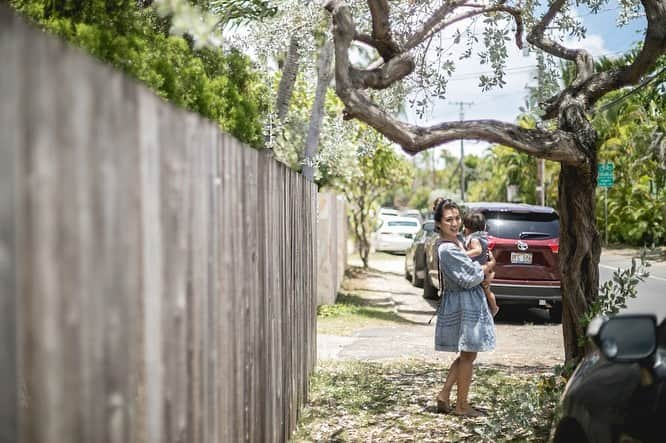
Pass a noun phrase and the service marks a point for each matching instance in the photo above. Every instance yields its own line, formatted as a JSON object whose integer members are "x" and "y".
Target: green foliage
{"x": 222, "y": 87}
{"x": 241, "y": 11}
{"x": 379, "y": 169}
{"x": 505, "y": 166}
{"x": 367, "y": 401}
{"x": 631, "y": 130}
{"x": 613, "y": 294}
{"x": 420, "y": 199}
{"x": 633, "y": 139}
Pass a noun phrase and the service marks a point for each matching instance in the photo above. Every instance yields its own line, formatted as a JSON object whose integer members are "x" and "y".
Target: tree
{"x": 219, "y": 85}
{"x": 314, "y": 128}
{"x": 401, "y": 39}
{"x": 379, "y": 168}
{"x": 632, "y": 127}
{"x": 504, "y": 166}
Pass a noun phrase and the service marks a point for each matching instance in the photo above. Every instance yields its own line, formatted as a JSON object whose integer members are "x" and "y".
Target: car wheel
{"x": 429, "y": 291}
{"x": 408, "y": 276}
{"x": 418, "y": 282}
{"x": 569, "y": 431}
{"x": 555, "y": 313}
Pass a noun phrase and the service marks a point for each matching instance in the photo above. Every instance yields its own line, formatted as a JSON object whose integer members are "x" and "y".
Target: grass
{"x": 370, "y": 401}
{"x": 351, "y": 312}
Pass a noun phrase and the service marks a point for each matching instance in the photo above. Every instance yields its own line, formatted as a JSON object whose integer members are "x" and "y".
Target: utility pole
{"x": 462, "y": 104}
{"x": 541, "y": 163}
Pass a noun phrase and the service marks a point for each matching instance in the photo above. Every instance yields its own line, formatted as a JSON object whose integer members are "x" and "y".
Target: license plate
{"x": 521, "y": 258}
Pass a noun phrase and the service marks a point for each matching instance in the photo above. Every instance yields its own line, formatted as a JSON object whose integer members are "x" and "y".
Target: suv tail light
{"x": 491, "y": 243}
{"x": 555, "y": 247}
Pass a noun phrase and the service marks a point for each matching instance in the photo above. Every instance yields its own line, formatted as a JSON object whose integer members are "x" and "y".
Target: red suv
{"x": 525, "y": 242}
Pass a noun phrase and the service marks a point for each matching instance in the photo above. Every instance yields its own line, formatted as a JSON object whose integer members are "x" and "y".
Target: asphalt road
{"x": 651, "y": 292}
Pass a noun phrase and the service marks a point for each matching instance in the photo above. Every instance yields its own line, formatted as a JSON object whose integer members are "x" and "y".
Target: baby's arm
{"x": 475, "y": 248}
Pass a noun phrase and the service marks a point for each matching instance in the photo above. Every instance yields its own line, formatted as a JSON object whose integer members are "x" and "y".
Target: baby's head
{"x": 474, "y": 222}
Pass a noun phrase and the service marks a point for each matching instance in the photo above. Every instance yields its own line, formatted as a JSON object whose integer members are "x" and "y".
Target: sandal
{"x": 469, "y": 413}
{"x": 443, "y": 407}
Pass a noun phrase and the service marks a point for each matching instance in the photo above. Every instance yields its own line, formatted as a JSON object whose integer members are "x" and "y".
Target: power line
{"x": 633, "y": 91}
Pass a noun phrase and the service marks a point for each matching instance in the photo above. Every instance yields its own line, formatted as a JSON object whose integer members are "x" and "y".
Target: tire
{"x": 408, "y": 276}
{"x": 429, "y": 291}
{"x": 418, "y": 282}
{"x": 569, "y": 431}
{"x": 555, "y": 313}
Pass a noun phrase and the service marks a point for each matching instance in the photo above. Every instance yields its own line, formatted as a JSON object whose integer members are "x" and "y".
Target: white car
{"x": 414, "y": 213}
{"x": 388, "y": 212}
{"x": 396, "y": 234}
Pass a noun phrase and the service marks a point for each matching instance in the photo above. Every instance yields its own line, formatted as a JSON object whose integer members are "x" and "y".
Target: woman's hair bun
{"x": 436, "y": 203}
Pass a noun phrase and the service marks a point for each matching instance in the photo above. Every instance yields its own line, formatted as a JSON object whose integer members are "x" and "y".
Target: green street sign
{"x": 605, "y": 174}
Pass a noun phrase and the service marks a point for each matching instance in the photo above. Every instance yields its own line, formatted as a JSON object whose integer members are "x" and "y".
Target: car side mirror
{"x": 625, "y": 338}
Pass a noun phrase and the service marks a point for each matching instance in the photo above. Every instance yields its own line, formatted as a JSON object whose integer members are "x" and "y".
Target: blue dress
{"x": 464, "y": 322}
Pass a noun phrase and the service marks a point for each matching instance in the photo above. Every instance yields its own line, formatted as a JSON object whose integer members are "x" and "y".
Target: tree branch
{"x": 441, "y": 24}
{"x": 381, "y": 29}
{"x": 589, "y": 87}
{"x": 384, "y": 76}
{"x": 427, "y": 29}
{"x": 654, "y": 44}
{"x": 537, "y": 37}
{"x": 556, "y": 145}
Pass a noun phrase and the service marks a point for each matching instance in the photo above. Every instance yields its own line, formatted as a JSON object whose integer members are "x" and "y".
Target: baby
{"x": 476, "y": 243}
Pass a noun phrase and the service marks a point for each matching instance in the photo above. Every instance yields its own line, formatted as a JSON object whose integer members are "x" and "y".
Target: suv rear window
{"x": 517, "y": 225}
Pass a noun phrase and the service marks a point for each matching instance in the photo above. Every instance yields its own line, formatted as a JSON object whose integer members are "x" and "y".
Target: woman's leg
{"x": 465, "y": 367}
{"x": 451, "y": 379}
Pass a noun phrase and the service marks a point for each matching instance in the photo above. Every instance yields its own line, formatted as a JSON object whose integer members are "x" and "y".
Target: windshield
{"x": 531, "y": 225}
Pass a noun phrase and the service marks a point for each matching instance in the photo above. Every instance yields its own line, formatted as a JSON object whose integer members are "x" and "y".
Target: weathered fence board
{"x": 10, "y": 107}
{"x": 158, "y": 278}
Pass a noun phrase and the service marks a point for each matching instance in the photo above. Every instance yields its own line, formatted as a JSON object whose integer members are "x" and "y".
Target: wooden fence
{"x": 158, "y": 278}
{"x": 331, "y": 246}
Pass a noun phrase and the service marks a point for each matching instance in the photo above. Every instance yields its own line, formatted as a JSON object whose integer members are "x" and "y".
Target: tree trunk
{"x": 288, "y": 79}
{"x": 364, "y": 252}
{"x": 323, "y": 79}
{"x": 580, "y": 245}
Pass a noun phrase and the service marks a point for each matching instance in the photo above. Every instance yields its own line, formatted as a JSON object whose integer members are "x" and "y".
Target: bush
{"x": 217, "y": 85}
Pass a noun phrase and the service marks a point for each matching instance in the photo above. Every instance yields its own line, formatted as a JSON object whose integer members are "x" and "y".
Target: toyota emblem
{"x": 522, "y": 246}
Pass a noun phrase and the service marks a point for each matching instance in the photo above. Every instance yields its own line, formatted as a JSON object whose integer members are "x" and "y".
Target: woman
{"x": 464, "y": 322}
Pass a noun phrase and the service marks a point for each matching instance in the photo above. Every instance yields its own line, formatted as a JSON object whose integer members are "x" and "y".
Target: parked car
{"x": 412, "y": 213}
{"x": 395, "y": 234}
{"x": 388, "y": 212}
{"x": 415, "y": 257}
{"x": 525, "y": 242}
{"x": 618, "y": 391}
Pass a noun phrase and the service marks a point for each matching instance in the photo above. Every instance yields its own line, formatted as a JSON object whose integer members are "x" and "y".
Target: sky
{"x": 603, "y": 37}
